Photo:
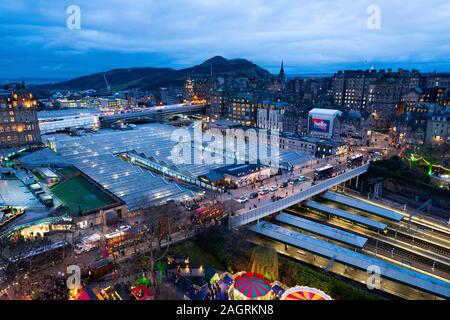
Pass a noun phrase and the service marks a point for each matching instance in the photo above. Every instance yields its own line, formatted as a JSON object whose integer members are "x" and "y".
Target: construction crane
{"x": 426, "y": 205}
{"x": 107, "y": 84}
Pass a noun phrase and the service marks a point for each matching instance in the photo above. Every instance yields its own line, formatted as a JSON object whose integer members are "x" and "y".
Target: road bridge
{"x": 280, "y": 205}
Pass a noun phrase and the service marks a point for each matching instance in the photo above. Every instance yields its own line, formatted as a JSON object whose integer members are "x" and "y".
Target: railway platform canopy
{"x": 366, "y": 222}
{"x": 364, "y": 206}
{"x": 322, "y": 230}
{"x": 352, "y": 258}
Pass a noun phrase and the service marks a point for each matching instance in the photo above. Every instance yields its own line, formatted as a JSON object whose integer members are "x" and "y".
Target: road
{"x": 339, "y": 163}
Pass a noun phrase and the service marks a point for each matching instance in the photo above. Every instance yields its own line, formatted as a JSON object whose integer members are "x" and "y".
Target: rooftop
{"x": 328, "y": 112}
{"x": 347, "y": 215}
{"x": 96, "y": 154}
{"x": 78, "y": 194}
{"x": 364, "y": 206}
{"x": 322, "y": 230}
{"x": 43, "y": 157}
{"x": 14, "y": 193}
{"x": 50, "y": 114}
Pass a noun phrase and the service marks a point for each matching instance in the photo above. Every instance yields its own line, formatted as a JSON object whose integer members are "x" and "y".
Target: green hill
{"x": 154, "y": 78}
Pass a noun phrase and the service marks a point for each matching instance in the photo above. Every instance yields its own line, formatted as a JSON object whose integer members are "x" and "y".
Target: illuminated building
{"x": 18, "y": 120}
{"x": 242, "y": 109}
{"x": 438, "y": 129}
{"x": 270, "y": 115}
{"x": 323, "y": 122}
{"x": 189, "y": 90}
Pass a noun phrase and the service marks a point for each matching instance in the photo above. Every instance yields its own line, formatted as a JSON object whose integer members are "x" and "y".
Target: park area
{"x": 78, "y": 194}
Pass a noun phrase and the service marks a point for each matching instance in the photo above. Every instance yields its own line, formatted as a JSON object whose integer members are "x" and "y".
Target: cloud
{"x": 308, "y": 35}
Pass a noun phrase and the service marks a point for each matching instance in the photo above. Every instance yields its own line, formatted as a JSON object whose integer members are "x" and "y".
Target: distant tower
{"x": 282, "y": 76}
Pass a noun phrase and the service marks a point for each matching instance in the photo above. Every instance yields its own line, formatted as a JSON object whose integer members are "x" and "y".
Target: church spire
{"x": 282, "y": 75}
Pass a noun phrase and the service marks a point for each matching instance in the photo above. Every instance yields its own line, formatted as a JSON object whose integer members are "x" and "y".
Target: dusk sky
{"x": 310, "y": 36}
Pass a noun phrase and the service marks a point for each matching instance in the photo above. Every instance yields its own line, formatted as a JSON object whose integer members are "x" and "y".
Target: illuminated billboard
{"x": 320, "y": 125}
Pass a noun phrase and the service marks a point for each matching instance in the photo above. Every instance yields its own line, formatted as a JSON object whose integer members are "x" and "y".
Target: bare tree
{"x": 10, "y": 253}
{"x": 161, "y": 223}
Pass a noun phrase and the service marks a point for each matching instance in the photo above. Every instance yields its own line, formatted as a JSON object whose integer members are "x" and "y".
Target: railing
{"x": 273, "y": 207}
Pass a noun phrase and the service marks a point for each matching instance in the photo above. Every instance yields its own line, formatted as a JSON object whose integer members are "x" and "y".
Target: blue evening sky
{"x": 315, "y": 36}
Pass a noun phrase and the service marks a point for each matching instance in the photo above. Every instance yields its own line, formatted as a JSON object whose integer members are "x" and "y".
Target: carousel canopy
{"x": 252, "y": 285}
{"x": 304, "y": 293}
{"x": 83, "y": 295}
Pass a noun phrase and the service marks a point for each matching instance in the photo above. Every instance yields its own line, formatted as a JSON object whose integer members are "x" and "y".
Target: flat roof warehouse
{"x": 97, "y": 155}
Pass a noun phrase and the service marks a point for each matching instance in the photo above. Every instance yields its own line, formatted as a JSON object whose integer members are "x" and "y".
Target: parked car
{"x": 284, "y": 185}
{"x": 273, "y": 188}
{"x": 264, "y": 191}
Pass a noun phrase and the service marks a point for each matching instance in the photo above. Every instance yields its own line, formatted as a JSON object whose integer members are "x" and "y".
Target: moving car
{"x": 273, "y": 188}
{"x": 242, "y": 200}
{"x": 263, "y": 191}
{"x": 88, "y": 244}
{"x": 284, "y": 185}
{"x": 253, "y": 195}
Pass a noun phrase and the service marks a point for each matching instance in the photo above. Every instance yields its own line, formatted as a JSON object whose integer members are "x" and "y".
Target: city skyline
{"x": 319, "y": 37}
{"x": 217, "y": 151}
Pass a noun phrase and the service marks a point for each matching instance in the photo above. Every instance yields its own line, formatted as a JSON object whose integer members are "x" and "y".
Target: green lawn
{"x": 78, "y": 192}
{"x": 197, "y": 256}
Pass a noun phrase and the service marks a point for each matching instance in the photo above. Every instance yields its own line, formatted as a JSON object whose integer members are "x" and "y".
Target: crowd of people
{"x": 55, "y": 288}
{"x": 215, "y": 292}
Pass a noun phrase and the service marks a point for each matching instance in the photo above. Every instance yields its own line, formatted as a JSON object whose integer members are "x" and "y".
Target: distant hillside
{"x": 153, "y": 78}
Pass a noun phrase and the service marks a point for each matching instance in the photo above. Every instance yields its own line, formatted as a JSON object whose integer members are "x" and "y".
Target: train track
{"x": 411, "y": 259}
{"x": 408, "y": 239}
{"x": 400, "y": 254}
